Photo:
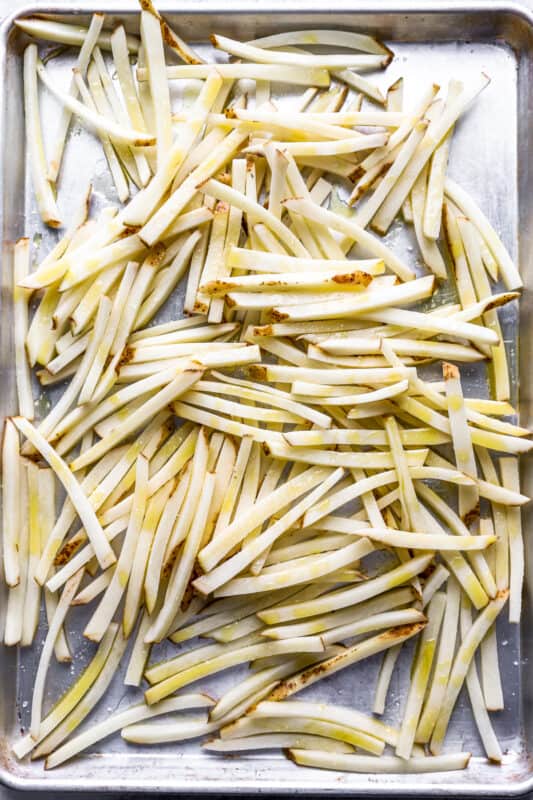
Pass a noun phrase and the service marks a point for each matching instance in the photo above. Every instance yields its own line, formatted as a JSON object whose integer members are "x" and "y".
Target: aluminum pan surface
{"x": 495, "y": 38}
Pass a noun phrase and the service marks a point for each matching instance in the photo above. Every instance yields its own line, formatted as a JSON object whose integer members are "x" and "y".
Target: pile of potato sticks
{"x": 280, "y": 471}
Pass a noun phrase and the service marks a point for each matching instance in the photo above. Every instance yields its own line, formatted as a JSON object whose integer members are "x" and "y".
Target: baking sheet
{"x": 490, "y": 157}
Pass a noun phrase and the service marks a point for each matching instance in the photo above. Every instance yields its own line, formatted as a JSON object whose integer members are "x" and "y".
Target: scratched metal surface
{"x": 490, "y": 157}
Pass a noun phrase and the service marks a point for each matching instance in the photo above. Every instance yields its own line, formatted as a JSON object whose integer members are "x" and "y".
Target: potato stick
{"x": 21, "y": 266}
{"x": 160, "y": 690}
{"x": 335, "y": 377}
{"x": 233, "y": 231}
{"x": 171, "y": 208}
{"x": 68, "y": 398}
{"x": 282, "y": 400}
{"x": 483, "y": 723}
{"x": 152, "y": 39}
{"x": 352, "y": 460}
{"x": 227, "y": 536}
{"x": 340, "y": 619}
{"x": 262, "y": 681}
{"x": 471, "y": 210}
{"x": 435, "y": 188}
{"x": 499, "y": 513}
{"x": 421, "y": 672}
{"x": 122, "y": 134}
{"x": 457, "y": 526}
{"x": 461, "y": 664}
{"x": 137, "y": 165}
{"x": 16, "y": 597}
{"x": 52, "y": 270}
{"x": 341, "y": 344}
{"x": 429, "y": 249}
{"x": 72, "y": 697}
{"x": 325, "y": 712}
{"x": 87, "y": 702}
{"x": 462, "y": 442}
{"x": 182, "y": 570}
{"x": 118, "y": 155}
{"x": 381, "y": 764}
{"x": 295, "y": 74}
{"x": 270, "y": 740}
{"x": 312, "y": 546}
{"x": 69, "y": 354}
{"x": 293, "y": 574}
{"x": 345, "y": 597}
{"x": 254, "y": 209}
{"x": 32, "y": 600}
{"x": 351, "y": 144}
{"x": 388, "y": 663}
{"x": 436, "y": 131}
{"x": 478, "y": 419}
{"x": 119, "y": 48}
{"x": 214, "y": 622}
{"x": 364, "y": 215}
{"x": 352, "y": 655}
{"x": 62, "y": 32}
{"x": 494, "y": 441}
{"x": 69, "y": 431}
{"x": 375, "y": 438}
{"x": 153, "y": 512}
{"x": 46, "y": 653}
{"x": 34, "y": 141}
{"x": 489, "y": 660}
{"x": 334, "y": 38}
{"x": 463, "y": 281}
{"x": 86, "y": 297}
{"x": 150, "y": 407}
{"x": 511, "y": 480}
{"x": 346, "y": 279}
{"x": 500, "y": 370}
{"x": 355, "y": 304}
{"x": 257, "y": 54}
{"x": 166, "y": 281}
{"x": 374, "y": 623}
{"x": 103, "y": 551}
{"x": 120, "y": 719}
{"x": 161, "y": 540}
{"x": 249, "y": 729}
{"x": 428, "y": 541}
{"x": 68, "y": 514}
{"x": 139, "y": 209}
{"x": 12, "y": 511}
{"x": 214, "y": 255}
{"x": 103, "y": 614}
{"x": 94, "y": 588}
{"x": 186, "y": 525}
{"x": 97, "y": 366}
{"x": 164, "y": 669}
{"x": 162, "y": 470}
{"x": 202, "y": 417}
{"x": 231, "y": 567}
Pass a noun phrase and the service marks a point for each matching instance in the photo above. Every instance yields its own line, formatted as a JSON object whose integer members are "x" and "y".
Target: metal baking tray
{"x": 491, "y": 156}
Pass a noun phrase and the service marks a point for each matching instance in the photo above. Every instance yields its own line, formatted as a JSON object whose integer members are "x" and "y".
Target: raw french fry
{"x": 461, "y": 664}
{"x": 34, "y": 139}
{"x": 125, "y": 135}
{"x": 295, "y": 74}
{"x": 471, "y": 210}
{"x": 103, "y": 551}
{"x": 420, "y": 676}
{"x": 385, "y": 764}
{"x": 121, "y": 719}
{"x": 72, "y": 696}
